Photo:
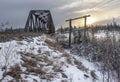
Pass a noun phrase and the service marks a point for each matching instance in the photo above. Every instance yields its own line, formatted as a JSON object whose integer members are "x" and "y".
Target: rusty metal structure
{"x": 40, "y": 21}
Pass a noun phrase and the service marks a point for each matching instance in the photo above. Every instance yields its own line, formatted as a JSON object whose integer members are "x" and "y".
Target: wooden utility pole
{"x": 70, "y": 25}
{"x": 85, "y": 28}
{"x": 61, "y": 29}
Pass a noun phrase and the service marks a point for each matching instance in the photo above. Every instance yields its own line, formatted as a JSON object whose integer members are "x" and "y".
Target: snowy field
{"x": 41, "y": 59}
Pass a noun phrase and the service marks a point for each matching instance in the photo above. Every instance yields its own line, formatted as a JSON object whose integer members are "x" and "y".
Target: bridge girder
{"x": 40, "y": 21}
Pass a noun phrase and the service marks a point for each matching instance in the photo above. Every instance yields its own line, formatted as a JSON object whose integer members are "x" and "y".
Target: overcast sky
{"x": 102, "y": 11}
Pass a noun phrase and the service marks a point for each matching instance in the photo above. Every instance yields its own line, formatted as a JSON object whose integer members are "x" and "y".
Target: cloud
{"x": 16, "y": 11}
{"x": 91, "y": 1}
{"x": 70, "y": 5}
{"x": 85, "y": 11}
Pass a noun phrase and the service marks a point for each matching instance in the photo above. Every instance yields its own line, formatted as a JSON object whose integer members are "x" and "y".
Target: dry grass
{"x": 77, "y": 62}
{"x": 80, "y": 65}
{"x": 64, "y": 81}
{"x": 36, "y": 70}
{"x": 93, "y": 74}
{"x": 50, "y": 36}
{"x": 48, "y": 76}
{"x": 57, "y": 69}
{"x": 64, "y": 75}
{"x": 15, "y": 72}
{"x": 55, "y": 45}
{"x": 62, "y": 63}
{"x": 50, "y": 63}
{"x": 39, "y": 51}
{"x": 19, "y": 80}
{"x": 65, "y": 54}
{"x": 20, "y": 43}
{"x": 31, "y": 56}
{"x": 31, "y": 62}
{"x": 68, "y": 60}
{"x": 7, "y": 36}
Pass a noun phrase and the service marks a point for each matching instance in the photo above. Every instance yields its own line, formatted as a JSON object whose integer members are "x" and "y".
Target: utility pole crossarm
{"x": 70, "y": 25}
{"x": 78, "y": 18}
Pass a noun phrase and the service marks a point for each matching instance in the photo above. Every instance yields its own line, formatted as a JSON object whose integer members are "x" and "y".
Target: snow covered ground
{"x": 41, "y": 59}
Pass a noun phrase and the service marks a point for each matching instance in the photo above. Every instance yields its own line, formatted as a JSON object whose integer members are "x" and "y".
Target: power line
{"x": 100, "y": 5}
{"x": 111, "y": 5}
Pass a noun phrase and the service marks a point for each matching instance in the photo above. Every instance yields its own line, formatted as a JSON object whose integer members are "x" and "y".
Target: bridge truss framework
{"x": 40, "y": 21}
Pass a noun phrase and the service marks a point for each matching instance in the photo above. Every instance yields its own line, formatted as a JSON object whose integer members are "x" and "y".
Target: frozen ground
{"x": 41, "y": 59}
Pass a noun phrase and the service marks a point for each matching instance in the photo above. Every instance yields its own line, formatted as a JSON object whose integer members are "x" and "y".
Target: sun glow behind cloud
{"x": 81, "y": 22}
{"x": 91, "y": 20}
{"x": 70, "y": 5}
